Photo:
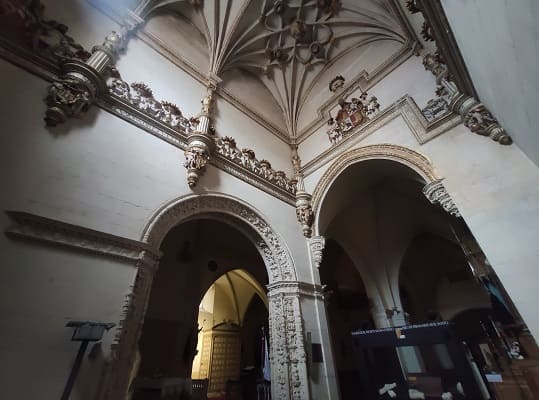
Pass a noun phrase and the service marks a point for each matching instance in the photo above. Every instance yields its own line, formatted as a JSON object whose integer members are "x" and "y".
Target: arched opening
{"x": 202, "y": 305}
{"x": 232, "y": 326}
{"x": 418, "y": 264}
{"x": 254, "y": 246}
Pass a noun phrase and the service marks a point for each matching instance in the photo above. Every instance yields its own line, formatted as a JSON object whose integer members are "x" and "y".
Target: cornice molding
{"x": 406, "y": 108}
{"x": 32, "y": 227}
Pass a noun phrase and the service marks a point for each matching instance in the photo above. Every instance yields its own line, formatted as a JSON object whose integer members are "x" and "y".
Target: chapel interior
{"x": 269, "y": 199}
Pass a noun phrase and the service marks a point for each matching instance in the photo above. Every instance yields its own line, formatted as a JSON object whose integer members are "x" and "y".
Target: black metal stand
{"x": 75, "y": 370}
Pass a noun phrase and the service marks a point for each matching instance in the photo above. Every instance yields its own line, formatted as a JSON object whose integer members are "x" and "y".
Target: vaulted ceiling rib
{"x": 289, "y": 45}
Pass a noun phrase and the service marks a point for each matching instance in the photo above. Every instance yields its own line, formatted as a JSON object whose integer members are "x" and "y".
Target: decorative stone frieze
{"x": 139, "y": 95}
{"x": 49, "y": 231}
{"x": 436, "y": 193}
{"x": 246, "y": 158}
{"x": 316, "y": 247}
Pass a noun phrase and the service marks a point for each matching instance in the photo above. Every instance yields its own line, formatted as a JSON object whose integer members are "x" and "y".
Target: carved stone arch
{"x": 234, "y": 212}
{"x": 288, "y": 358}
{"x": 418, "y": 162}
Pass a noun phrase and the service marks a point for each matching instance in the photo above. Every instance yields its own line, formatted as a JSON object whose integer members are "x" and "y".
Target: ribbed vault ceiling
{"x": 293, "y": 48}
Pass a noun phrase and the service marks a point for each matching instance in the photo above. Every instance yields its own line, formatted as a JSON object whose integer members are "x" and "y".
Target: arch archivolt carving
{"x": 418, "y": 162}
{"x": 288, "y": 360}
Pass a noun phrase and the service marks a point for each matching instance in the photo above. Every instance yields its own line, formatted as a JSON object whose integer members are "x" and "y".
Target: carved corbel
{"x": 316, "y": 247}
{"x": 476, "y": 117}
{"x": 436, "y": 193}
{"x": 200, "y": 142}
{"x": 304, "y": 210}
{"x": 83, "y": 81}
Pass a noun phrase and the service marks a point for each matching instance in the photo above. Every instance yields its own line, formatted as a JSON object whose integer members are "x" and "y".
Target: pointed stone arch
{"x": 288, "y": 357}
{"x": 416, "y": 161}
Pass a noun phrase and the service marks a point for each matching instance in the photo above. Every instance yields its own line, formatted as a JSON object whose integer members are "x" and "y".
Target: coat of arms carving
{"x": 352, "y": 113}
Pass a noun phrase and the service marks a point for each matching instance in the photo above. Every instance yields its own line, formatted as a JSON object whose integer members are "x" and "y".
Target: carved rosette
{"x": 436, "y": 193}
{"x": 316, "y": 247}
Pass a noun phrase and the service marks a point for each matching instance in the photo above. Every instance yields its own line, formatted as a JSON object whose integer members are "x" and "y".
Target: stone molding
{"x": 288, "y": 359}
{"x": 403, "y": 155}
{"x": 296, "y": 288}
{"x": 33, "y": 227}
{"x": 406, "y": 108}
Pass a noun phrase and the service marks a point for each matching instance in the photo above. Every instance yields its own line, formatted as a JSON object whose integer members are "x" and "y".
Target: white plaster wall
{"x": 42, "y": 289}
{"x": 98, "y": 172}
{"x": 498, "y": 41}
{"x": 496, "y": 189}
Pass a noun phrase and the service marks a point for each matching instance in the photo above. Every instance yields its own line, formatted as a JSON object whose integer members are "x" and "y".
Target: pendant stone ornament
{"x": 82, "y": 81}
{"x": 200, "y": 143}
{"x": 304, "y": 210}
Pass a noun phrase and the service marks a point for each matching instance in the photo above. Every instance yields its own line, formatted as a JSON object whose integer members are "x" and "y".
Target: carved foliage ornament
{"x": 47, "y": 37}
{"x": 353, "y": 113}
{"x": 246, "y": 158}
{"x": 140, "y": 96}
{"x": 436, "y": 193}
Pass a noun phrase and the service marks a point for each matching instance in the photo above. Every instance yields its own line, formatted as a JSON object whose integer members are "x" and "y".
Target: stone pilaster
{"x": 289, "y": 372}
